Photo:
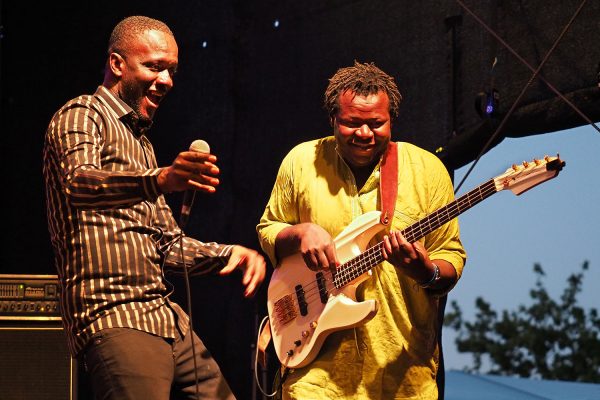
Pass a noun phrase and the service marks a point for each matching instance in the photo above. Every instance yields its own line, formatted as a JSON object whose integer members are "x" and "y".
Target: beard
{"x": 132, "y": 94}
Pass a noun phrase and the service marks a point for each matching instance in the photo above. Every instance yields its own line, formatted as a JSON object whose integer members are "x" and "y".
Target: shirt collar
{"x": 124, "y": 113}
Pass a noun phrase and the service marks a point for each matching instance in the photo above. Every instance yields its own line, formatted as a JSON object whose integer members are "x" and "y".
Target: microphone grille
{"x": 200, "y": 146}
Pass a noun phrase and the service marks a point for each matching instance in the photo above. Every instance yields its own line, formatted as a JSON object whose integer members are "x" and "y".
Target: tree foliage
{"x": 548, "y": 339}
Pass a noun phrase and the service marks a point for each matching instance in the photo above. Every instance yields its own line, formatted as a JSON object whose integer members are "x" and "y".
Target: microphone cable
{"x": 202, "y": 147}
{"x": 188, "y": 294}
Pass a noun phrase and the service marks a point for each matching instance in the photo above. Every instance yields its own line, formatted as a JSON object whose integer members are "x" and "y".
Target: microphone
{"x": 188, "y": 197}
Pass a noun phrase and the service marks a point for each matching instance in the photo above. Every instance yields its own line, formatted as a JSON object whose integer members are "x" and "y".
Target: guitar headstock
{"x": 520, "y": 178}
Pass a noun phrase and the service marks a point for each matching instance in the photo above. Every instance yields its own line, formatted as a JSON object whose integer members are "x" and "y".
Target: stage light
{"x": 486, "y": 103}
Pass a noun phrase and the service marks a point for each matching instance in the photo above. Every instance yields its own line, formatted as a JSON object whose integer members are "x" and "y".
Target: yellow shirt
{"x": 394, "y": 355}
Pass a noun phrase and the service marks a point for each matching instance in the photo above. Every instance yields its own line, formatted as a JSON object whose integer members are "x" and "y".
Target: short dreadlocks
{"x": 362, "y": 79}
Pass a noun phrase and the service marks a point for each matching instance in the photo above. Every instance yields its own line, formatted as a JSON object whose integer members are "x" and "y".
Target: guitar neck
{"x": 362, "y": 263}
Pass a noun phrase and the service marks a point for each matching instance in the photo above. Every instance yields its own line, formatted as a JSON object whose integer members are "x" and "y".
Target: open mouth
{"x": 154, "y": 99}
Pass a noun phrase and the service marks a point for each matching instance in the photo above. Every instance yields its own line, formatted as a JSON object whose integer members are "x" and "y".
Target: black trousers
{"x": 130, "y": 364}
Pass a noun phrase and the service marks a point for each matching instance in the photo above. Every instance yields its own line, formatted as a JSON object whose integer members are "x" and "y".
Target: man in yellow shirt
{"x": 325, "y": 184}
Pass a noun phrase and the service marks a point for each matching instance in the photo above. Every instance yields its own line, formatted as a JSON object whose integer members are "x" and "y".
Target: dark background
{"x": 251, "y": 81}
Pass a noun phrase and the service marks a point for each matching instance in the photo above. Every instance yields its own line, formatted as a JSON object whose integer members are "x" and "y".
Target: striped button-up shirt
{"x": 110, "y": 227}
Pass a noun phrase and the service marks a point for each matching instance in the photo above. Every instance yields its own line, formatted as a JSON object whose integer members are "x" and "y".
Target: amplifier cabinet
{"x": 36, "y": 363}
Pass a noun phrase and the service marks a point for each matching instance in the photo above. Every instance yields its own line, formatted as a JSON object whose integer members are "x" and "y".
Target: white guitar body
{"x": 298, "y": 338}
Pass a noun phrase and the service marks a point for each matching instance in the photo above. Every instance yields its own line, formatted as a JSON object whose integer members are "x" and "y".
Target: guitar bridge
{"x": 285, "y": 310}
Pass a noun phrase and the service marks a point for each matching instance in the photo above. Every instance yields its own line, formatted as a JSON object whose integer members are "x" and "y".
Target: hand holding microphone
{"x": 199, "y": 146}
{"x": 203, "y": 170}
{"x": 192, "y": 170}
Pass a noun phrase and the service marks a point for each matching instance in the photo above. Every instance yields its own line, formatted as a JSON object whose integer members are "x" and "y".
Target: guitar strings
{"x": 362, "y": 263}
{"x": 357, "y": 266}
{"x": 348, "y": 271}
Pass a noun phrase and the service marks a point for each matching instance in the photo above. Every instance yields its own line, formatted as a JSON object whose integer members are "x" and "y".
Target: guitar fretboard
{"x": 362, "y": 263}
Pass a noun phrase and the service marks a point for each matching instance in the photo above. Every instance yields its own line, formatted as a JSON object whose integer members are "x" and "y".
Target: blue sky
{"x": 556, "y": 224}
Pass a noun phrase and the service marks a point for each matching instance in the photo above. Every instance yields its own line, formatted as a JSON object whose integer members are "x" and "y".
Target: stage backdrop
{"x": 251, "y": 84}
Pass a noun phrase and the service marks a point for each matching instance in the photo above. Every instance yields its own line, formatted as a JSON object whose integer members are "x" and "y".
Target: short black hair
{"x": 128, "y": 28}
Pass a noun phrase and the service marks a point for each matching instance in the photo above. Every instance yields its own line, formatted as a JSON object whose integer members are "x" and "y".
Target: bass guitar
{"x": 305, "y": 306}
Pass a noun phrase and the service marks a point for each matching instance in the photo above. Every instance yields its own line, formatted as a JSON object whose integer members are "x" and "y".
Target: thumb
{"x": 234, "y": 262}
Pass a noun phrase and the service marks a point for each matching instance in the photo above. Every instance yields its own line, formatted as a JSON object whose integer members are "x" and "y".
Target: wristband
{"x": 434, "y": 279}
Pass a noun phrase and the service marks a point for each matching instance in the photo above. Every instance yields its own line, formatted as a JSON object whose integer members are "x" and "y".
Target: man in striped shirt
{"x": 113, "y": 232}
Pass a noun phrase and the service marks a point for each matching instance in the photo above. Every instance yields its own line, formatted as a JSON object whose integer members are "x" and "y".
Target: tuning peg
{"x": 525, "y": 164}
{"x": 536, "y": 161}
{"x": 515, "y": 167}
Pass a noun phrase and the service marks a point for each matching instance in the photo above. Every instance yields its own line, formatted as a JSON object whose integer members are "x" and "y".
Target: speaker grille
{"x": 36, "y": 363}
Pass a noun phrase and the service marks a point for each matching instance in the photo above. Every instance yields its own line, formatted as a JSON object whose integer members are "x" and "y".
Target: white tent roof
{"x": 464, "y": 386}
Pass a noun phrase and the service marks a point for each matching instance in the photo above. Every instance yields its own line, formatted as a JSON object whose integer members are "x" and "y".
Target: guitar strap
{"x": 388, "y": 190}
{"x": 388, "y": 183}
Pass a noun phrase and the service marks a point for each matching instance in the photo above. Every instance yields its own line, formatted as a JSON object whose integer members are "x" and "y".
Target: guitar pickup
{"x": 284, "y": 308}
{"x": 322, "y": 284}
{"x": 302, "y": 304}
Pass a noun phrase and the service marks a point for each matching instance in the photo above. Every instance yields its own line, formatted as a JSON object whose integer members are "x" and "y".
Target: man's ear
{"x": 116, "y": 63}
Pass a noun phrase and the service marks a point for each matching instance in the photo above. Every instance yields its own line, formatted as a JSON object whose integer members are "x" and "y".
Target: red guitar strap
{"x": 388, "y": 183}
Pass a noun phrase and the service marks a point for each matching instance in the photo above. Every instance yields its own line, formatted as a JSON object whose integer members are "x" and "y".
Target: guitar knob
{"x": 297, "y": 343}
{"x": 313, "y": 324}
{"x": 290, "y": 353}
{"x": 305, "y": 334}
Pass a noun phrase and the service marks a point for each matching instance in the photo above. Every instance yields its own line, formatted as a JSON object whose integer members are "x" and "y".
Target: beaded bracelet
{"x": 436, "y": 277}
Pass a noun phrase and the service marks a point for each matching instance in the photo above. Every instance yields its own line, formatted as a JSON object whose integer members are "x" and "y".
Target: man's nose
{"x": 164, "y": 78}
{"x": 364, "y": 131}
